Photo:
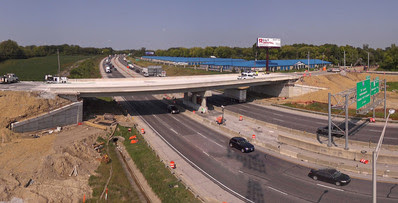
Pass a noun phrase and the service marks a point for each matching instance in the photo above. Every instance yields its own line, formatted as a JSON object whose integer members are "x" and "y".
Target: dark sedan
{"x": 172, "y": 109}
{"x": 241, "y": 144}
{"x": 330, "y": 175}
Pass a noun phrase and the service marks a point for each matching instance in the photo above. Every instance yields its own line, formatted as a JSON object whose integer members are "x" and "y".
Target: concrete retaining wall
{"x": 66, "y": 115}
{"x": 284, "y": 89}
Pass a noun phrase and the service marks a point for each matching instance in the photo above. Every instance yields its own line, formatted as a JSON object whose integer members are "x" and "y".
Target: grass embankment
{"x": 119, "y": 188}
{"x": 87, "y": 69}
{"x": 323, "y": 107}
{"x": 34, "y": 69}
{"x": 392, "y": 86}
{"x": 166, "y": 186}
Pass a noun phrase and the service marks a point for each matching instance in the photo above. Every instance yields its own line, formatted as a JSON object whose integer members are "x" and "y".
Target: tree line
{"x": 385, "y": 58}
{"x": 11, "y": 50}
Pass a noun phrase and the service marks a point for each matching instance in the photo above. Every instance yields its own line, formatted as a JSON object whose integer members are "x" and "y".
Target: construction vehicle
{"x": 9, "y": 78}
{"x": 55, "y": 79}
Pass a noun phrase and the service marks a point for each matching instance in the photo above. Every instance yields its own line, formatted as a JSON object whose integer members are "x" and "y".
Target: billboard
{"x": 269, "y": 42}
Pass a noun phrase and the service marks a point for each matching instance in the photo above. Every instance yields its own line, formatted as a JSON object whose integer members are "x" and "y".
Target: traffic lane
{"x": 303, "y": 123}
{"x": 114, "y": 73}
{"x": 252, "y": 165}
{"x": 189, "y": 150}
{"x": 235, "y": 180}
{"x": 360, "y": 130}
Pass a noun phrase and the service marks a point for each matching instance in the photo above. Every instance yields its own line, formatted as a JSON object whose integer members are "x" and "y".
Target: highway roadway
{"x": 256, "y": 176}
{"x": 361, "y": 130}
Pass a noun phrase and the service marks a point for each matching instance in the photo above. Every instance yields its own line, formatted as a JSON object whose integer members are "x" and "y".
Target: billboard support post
{"x": 267, "y": 69}
{"x": 268, "y": 43}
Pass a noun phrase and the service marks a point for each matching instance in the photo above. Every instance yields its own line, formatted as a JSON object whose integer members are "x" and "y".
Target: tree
{"x": 10, "y": 50}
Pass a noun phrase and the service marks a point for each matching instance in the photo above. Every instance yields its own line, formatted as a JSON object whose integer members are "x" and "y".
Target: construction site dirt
{"x": 57, "y": 165}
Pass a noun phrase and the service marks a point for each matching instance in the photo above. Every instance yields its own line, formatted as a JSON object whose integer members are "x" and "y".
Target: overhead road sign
{"x": 363, "y": 93}
{"x": 375, "y": 86}
{"x": 269, "y": 42}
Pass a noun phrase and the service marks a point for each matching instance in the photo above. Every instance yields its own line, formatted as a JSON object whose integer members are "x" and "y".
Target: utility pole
{"x": 368, "y": 61}
{"x": 308, "y": 61}
{"x": 59, "y": 66}
{"x": 344, "y": 59}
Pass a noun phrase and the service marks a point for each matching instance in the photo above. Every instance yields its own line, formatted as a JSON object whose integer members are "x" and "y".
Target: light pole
{"x": 375, "y": 154}
{"x": 222, "y": 121}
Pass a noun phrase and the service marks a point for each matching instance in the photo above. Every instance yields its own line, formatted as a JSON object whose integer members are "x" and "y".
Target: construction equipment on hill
{"x": 55, "y": 79}
{"x": 9, "y": 78}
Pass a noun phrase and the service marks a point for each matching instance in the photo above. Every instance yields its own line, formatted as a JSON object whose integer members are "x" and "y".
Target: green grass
{"x": 87, "y": 69}
{"x": 392, "y": 86}
{"x": 119, "y": 188}
{"x": 158, "y": 177}
{"x": 34, "y": 69}
{"x": 323, "y": 107}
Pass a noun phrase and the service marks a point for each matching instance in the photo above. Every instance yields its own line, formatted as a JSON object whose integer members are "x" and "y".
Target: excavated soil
{"x": 47, "y": 160}
{"x": 336, "y": 83}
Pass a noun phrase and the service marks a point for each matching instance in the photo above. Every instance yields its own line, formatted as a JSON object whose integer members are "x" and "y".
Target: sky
{"x": 163, "y": 24}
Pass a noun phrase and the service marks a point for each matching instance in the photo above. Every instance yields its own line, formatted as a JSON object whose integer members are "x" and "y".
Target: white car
{"x": 246, "y": 76}
{"x": 107, "y": 69}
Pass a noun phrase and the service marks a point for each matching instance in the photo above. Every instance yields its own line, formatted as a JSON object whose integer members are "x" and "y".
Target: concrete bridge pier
{"x": 197, "y": 100}
{"x": 238, "y": 94}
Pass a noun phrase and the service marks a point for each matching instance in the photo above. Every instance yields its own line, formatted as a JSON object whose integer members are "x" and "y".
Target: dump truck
{"x": 9, "y": 78}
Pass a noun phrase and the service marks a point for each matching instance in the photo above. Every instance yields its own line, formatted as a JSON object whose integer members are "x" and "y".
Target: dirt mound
{"x": 49, "y": 162}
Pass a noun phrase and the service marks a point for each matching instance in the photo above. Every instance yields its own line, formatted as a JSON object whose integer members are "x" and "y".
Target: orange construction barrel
{"x": 142, "y": 131}
{"x": 240, "y": 118}
{"x": 254, "y": 136}
{"x": 172, "y": 165}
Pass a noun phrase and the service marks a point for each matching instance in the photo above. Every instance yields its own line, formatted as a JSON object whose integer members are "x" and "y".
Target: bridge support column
{"x": 238, "y": 94}
{"x": 197, "y": 100}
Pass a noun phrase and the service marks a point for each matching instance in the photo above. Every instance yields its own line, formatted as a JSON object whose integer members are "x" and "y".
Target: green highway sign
{"x": 375, "y": 86}
{"x": 363, "y": 93}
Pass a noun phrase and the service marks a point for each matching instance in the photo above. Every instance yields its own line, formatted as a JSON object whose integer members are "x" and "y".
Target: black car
{"x": 241, "y": 144}
{"x": 330, "y": 175}
{"x": 172, "y": 109}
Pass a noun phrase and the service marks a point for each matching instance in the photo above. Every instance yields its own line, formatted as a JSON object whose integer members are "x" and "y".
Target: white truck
{"x": 55, "y": 79}
{"x": 9, "y": 78}
{"x": 246, "y": 75}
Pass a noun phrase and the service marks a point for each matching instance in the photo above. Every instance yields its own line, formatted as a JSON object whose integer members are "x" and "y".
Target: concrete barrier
{"x": 66, "y": 115}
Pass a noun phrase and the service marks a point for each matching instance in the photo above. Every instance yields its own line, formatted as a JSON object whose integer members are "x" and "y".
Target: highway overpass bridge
{"x": 195, "y": 88}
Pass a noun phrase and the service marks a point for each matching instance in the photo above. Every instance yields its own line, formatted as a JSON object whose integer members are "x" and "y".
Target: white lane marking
{"x": 188, "y": 160}
{"x": 330, "y": 187}
{"x": 277, "y": 190}
{"x": 210, "y": 140}
{"x": 378, "y": 131}
{"x": 240, "y": 171}
{"x": 278, "y": 114}
{"x": 205, "y": 153}
{"x": 319, "y": 123}
{"x": 271, "y": 131}
{"x": 174, "y": 131}
{"x": 278, "y": 119}
{"x": 390, "y": 138}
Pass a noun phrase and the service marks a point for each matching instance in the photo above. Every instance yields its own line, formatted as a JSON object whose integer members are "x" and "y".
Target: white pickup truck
{"x": 246, "y": 75}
